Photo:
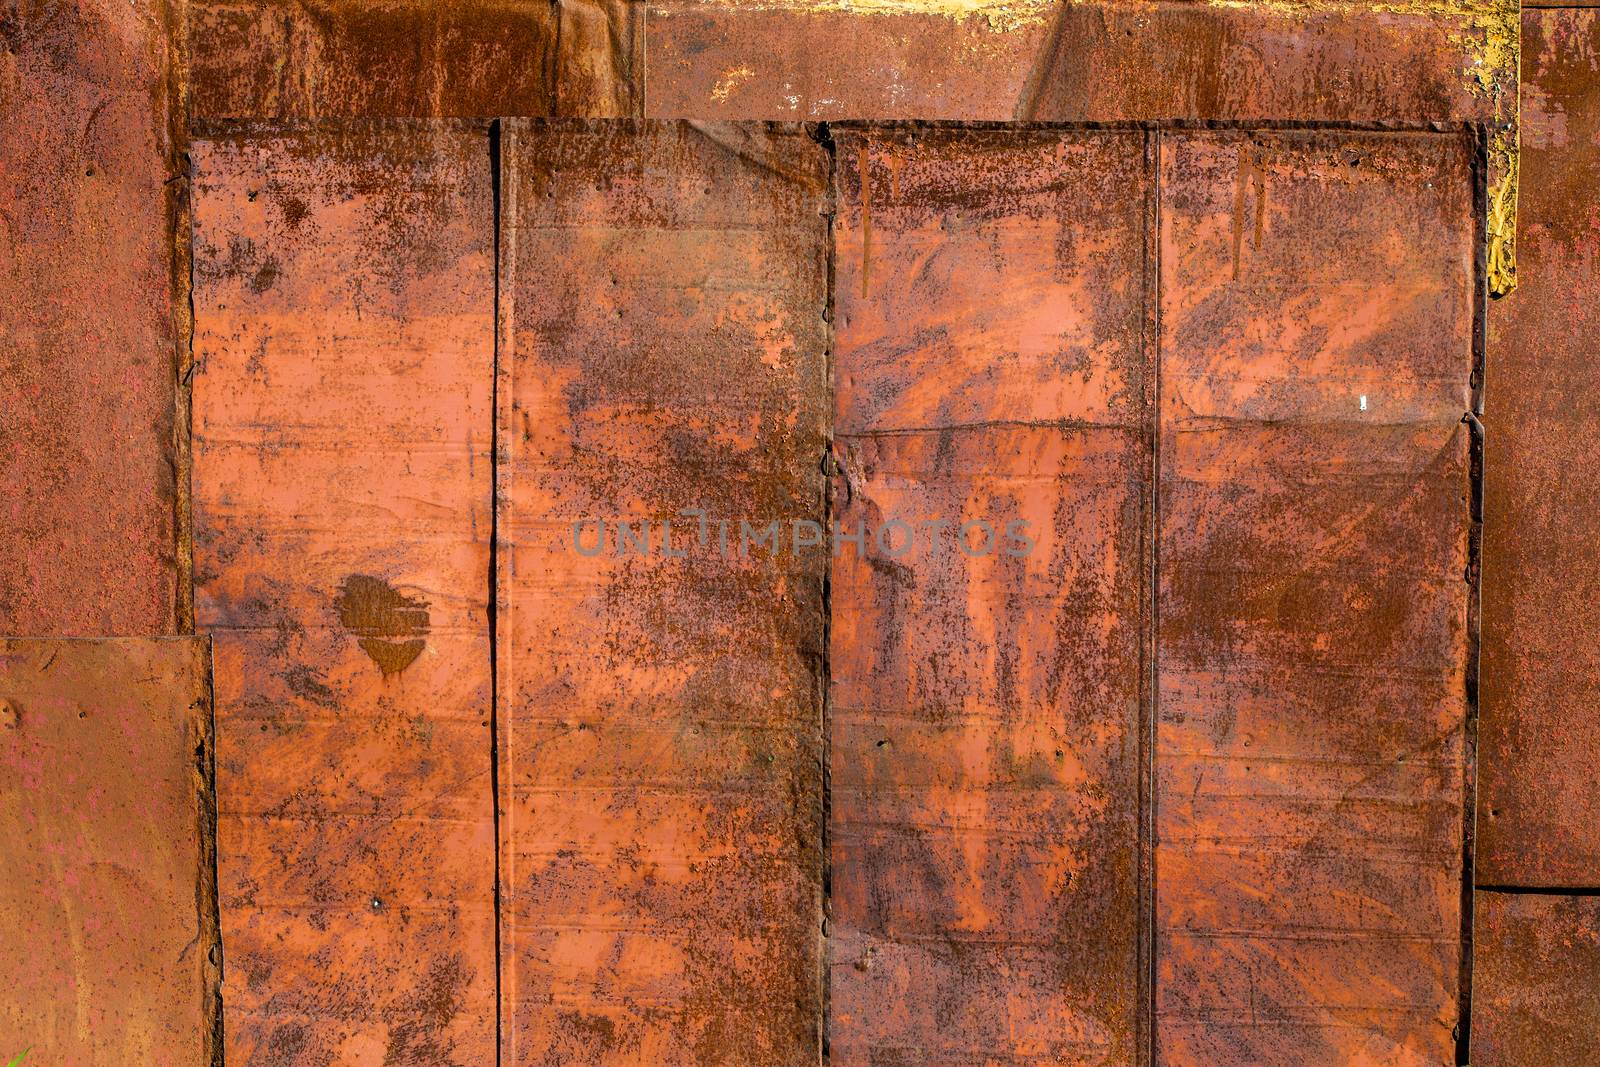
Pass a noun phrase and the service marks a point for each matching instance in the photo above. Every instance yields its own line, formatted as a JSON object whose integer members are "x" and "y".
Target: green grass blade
{"x": 23, "y": 1055}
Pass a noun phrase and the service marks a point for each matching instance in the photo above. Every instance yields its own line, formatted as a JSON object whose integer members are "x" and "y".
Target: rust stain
{"x": 390, "y": 628}
{"x": 105, "y": 909}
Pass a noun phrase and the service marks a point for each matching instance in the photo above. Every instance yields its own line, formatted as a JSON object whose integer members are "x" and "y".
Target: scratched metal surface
{"x": 1317, "y": 309}
{"x": 662, "y": 299}
{"x": 344, "y": 296}
{"x": 1535, "y": 979}
{"x": 1539, "y": 797}
{"x": 105, "y": 752}
{"x": 990, "y": 366}
{"x": 412, "y": 58}
{"x": 87, "y": 542}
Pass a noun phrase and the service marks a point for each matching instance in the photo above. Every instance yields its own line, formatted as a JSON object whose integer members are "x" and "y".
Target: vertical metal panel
{"x": 990, "y": 368}
{"x": 1535, "y": 980}
{"x": 662, "y": 298}
{"x": 344, "y": 296}
{"x": 1540, "y": 779}
{"x": 87, "y": 541}
{"x": 1317, "y": 310}
{"x": 107, "y": 941}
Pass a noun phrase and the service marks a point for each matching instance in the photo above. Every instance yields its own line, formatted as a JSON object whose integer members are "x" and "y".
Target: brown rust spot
{"x": 391, "y": 627}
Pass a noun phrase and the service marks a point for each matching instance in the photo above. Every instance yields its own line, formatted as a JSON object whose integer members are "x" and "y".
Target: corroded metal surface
{"x": 1317, "y": 310}
{"x": 344, "y": 295}
{"x": 107, "y": 940}
{"x": 990, "y": 368}
{"x": 663, "y": 291}
{"x": 87, "y": 543}
{"x": 1539, "y": 797}
{"x": 1535, "y": 980}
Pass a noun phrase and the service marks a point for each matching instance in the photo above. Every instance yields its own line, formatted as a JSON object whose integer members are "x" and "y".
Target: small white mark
{"x": 1363, "y": 401}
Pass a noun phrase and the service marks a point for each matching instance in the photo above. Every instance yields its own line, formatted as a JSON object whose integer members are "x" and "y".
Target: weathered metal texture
{"x": 254, "y": 59}
{"x": 1312, "y": 772}
{"x": 984, "y": 733}
{"x": 87, "y": 542}
{"x": 344, "y": 341}
{"x": 1535, "y": 979}
{"x": 663, "y": 348}
{"x": 1539, "y": 786}
{"x": 107, "y": 934}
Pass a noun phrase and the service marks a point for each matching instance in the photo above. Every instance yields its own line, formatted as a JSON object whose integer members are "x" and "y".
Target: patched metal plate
{"x": 108, "y": 935}
{"x": 1535, "y": 979}
{"x": 88, "y": 542}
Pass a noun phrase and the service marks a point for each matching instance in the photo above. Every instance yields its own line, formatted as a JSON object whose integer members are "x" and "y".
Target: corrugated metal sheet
{"x": 663, "y": 339}
{"x": 1540, "y": 798}
{"x": 344, "y": 306}
{"x": 1312, "y": 764}
{"x": 991, "y": 412}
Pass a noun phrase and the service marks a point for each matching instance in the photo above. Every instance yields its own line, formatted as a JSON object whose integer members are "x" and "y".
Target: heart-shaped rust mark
{"x": 389, "y": 627}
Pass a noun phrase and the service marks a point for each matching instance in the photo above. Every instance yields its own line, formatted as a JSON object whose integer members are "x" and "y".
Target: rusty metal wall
{"x": 87, "y": 357}
{"x": 344, "y": 350}
{"x": 1539, "y": 802}
{"x": 663, "y": 343}
{"x": 1313, "y": 770}
{"x": 108, "y": 940}
{"x": 991, "y": 368}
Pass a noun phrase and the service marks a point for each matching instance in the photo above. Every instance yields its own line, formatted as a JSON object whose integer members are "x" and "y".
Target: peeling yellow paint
{"x": 1001, "y": 15}
{"x": 730, "y": 80}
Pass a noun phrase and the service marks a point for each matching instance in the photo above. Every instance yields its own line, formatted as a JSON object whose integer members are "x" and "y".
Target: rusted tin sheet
{"x": 1535, "y": 979}
{"x": 344, "y": 309}
{"x": 107, "y": 929}
{"x": 1539, "y": 787}
{"x": 1312, "y": 773}
{"x": 255, "y": 59}
{"x": 990, "y": 368}
{"x": 87, "y": 541}
{"x": 663, "y": 350}
{"x": 821, "y": 61}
